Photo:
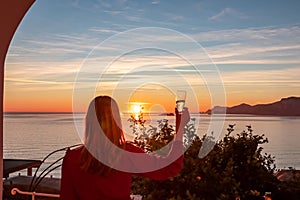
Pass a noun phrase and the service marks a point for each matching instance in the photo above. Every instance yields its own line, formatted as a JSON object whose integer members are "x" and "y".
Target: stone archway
{"x": 11, "y": 14}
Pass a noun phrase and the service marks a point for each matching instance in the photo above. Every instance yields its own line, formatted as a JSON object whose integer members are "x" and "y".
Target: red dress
{"x": 81, "y": 185}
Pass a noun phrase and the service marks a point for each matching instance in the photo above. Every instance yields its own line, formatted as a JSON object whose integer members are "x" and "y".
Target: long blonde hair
{"x": 102, "y": 118}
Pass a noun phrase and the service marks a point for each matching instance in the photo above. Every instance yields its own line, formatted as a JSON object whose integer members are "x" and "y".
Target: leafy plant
{"x": 235, "y": 167}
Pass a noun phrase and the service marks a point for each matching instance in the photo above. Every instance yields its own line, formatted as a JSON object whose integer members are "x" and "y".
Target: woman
{"x": 103, "y": 167}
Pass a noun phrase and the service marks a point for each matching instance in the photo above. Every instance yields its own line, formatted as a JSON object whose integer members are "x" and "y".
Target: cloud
{"x": 174, "y": 17}
{"x": 273, "y": 77}
{"x": 227, "y": 12}
{"x": 155, "y": 2}
{"x": 52, "y": 60}
{"x": 103, "y": 30}
{"x": 114, "y": 12}
{"x": 250, "y": 34}
{"x": 53, "y": 47}
{"x": 265, "y": 45}
{"x": 134, "y": 18}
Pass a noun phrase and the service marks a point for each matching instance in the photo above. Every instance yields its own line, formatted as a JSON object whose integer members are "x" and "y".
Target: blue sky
{"x": 255, "y": 44}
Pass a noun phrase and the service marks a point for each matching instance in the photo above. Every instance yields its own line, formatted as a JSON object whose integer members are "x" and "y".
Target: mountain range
{"x": 289, "y": 106}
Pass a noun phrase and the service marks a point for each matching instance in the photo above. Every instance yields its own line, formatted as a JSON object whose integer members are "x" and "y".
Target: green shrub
{"x": 235, "y": 167}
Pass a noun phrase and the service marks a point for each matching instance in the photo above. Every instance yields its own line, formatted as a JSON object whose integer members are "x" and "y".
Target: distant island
{"x": 167, "y": 114}
{"x": 289, "y": 106}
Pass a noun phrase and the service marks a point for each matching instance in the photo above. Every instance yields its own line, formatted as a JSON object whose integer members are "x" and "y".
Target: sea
{"x": 35, "y": 135}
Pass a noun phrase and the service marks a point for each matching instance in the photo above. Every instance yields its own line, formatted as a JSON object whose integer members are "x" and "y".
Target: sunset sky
{"x": 67, "y": 48}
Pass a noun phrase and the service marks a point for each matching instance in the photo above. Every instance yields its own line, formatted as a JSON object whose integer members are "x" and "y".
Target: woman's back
{"x": 79, "y": 184}
{"x": 83, "y": 185}
{"x": 84, "y": 175}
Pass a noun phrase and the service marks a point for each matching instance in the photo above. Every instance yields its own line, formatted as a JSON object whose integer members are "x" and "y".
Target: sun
{"x": 136, "y": 108}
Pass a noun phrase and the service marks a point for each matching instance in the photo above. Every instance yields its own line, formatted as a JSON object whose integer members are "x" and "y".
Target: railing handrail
{"x": 37, "y": 179}
{"x": 14, "y": 191}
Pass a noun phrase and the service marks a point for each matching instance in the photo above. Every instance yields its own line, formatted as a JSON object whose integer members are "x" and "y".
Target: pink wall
{"x": 11, "y": 14}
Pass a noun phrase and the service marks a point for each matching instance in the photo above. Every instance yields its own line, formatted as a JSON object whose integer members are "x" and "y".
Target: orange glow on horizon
{"x": 41, "y": 102}
{"x": 153, "y": 99}
{"x": 159, "y": 100}
{"x": 148, "y": 103}
{"x": 38, "y": 107}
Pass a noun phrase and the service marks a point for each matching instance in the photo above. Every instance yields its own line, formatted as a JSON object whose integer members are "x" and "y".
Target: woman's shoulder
{"x": 131, "y": 147}
{"x": 75, "y": 149}
{"x": 74, "y": 152}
